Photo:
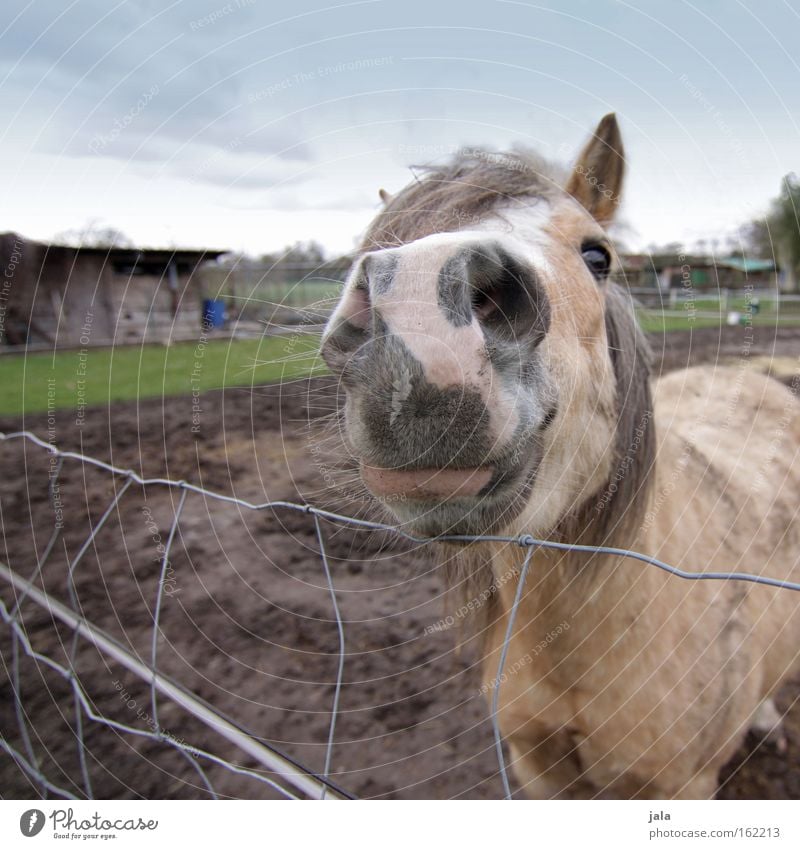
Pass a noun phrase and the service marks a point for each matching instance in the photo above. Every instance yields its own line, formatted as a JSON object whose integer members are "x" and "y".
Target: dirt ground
{"x": 247, "y": 623}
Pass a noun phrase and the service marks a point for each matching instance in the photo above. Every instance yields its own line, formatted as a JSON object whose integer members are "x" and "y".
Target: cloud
{"x": 310, "y": 200}
{"x": 307, "y": 109}
{"x": 87, "y": 87}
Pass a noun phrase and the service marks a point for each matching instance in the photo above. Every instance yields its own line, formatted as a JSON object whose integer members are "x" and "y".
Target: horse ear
{"x": 597, "y": 177}
{"x": 384, "y": 196}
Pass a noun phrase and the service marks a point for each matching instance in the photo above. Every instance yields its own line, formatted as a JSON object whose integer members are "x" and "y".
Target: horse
{"x": 496, "y": 383}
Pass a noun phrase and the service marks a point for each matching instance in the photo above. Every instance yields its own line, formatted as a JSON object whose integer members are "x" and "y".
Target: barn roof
{"x": 124, "y": 259}
{"x": 659, "y": 261}
{"x": 748, "y": 264}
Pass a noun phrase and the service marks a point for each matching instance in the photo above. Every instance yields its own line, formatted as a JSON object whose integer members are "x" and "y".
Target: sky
{"x": 248, "y": 125}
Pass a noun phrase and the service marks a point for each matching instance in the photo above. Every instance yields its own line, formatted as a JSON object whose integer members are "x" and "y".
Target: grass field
{"x": 741, "y": 304}
{"x": 70, "y": 379}
{"x": 653, "y": 321}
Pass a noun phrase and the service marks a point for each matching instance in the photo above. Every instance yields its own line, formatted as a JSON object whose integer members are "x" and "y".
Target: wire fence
{"x": 276, "y": 769}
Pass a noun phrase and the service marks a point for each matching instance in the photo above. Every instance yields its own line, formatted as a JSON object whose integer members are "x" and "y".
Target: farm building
{"x": 678, "y": 271}
{"x": 66, "y": 296}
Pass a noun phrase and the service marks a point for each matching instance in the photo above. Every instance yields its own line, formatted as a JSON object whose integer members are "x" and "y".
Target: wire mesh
{"x": 277, "y": 770}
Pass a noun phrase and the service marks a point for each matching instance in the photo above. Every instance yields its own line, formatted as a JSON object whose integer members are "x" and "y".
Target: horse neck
{"x": 574, "y": 587}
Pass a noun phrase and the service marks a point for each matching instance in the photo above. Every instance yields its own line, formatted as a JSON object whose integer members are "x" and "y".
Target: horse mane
{"x": 614, "y": 516}
{"x": 459, "y": 193}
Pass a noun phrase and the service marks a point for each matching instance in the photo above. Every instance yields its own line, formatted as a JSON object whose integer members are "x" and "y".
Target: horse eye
{"x": 598, "y": 260}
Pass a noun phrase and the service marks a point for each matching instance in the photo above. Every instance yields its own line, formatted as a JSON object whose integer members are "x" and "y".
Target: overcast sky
{"x": 249, "y": 124}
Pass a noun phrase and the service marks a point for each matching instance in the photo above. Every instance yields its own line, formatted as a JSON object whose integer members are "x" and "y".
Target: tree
{"x": 670, "y": 249}
{"x": 755, "y": 239}
{"x": 310, "y": 253}
{"x": 776, "y": 236}
{"x": 94, "y": 235}
{"x": 784, "y": 224}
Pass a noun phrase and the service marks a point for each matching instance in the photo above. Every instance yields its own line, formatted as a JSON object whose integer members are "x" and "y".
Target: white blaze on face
{"x": 450, "y": 356}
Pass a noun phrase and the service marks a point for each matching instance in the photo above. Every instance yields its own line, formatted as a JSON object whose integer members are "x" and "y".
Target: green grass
{"x": 99, "y": 376}
{"x": 38, "y": 382}
{"x": 767, "y": 305}
{"x": 654, "y": 322}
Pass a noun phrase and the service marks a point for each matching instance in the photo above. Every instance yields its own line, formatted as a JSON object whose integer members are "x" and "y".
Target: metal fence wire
{"x": 282, "y": 773}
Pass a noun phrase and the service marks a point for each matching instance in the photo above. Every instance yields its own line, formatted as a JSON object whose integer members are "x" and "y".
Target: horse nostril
{"x": 348, "y": 331}
{"x": 485, "y": 302}
{"x": 357, "y": 308}
{"x": 506, "y": 296}
{"x": 355, "y": 322}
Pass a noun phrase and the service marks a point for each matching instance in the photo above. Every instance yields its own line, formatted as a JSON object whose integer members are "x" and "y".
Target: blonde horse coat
{"x": 496, "y": 381}
{"x": 653, "y": 685}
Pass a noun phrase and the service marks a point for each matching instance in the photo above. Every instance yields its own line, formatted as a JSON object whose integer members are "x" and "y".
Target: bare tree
{"x": 94, "y": 235}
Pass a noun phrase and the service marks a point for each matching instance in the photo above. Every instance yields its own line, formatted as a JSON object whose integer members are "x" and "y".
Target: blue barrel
{"x": 213, "y": 313}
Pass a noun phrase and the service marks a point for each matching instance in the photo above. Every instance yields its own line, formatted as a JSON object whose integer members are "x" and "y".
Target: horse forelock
{"x": 459, "y": 194}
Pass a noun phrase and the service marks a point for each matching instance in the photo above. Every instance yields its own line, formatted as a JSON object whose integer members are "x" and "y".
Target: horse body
{"x": 656, "y": 680}
{"x": 496, "y": 379}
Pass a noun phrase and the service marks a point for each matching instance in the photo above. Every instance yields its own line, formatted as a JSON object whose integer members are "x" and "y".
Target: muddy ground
{"x": 247, "y": 621}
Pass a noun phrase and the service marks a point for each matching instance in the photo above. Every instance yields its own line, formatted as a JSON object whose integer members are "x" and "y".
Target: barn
{"x": 64, "y": 296}
{"x": 664, "y": 272}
